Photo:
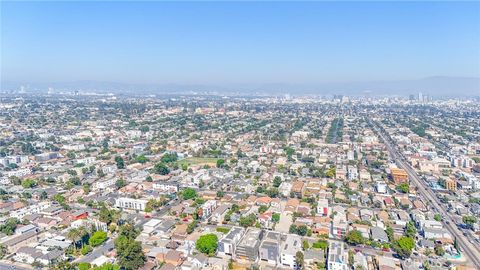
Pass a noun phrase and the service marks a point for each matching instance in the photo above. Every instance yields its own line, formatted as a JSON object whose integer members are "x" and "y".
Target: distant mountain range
{"x": 434, "y": 86}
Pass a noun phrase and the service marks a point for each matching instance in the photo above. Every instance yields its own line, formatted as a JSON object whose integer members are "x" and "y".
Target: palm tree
{"x": 73, "y": 235}
{"x": 82, "y": 232}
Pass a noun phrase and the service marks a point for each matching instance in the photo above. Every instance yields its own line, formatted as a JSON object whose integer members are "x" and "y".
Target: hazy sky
{"x": 250, "y": 42}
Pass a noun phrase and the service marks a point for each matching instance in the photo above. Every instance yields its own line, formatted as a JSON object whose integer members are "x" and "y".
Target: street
{"x": 471, "y": 251}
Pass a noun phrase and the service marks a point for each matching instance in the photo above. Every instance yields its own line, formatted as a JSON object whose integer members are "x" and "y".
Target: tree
{"x": 404, "y": 246}
{"x": 276, "y": 217}
{"x": 189, "y": 193}
{"x": 389, "y": 232}
{"x": 220, "y": 194}
{"x": 410, "y": 230}
{"x": 73, "y": 235}
{"x": 437, "y": 217}
{"x": 29, "y": 183}
{"x": 403, "y": 187}
{"x": 141, "y": 159}
{"x": 161, "y": 168}
{"x": 301, "y": 230}
{"x": 277, "y": 181}
{"x": 97, "y": 238}
{"x": 350, "y": 258}
{"x": 439, "y": 251}
{"x": 130, "y": 254}
{"x": 86, "y": 249}
{"x": 320, "y": 244}
{"x": 169, "y": 157}
{"x": 354, "y": 237}
{"x": 272, "y": 192}
{"x": 220, "y": 162}
{"x": 71, "y": 155}
{"x": 299, "y": 259}
{"x": 262, "y": 209}
{"x": 191, "y": 226}
{"x": 3, "y": 251}
{"x": 331, "y": 172}
{"x": 469, "y": 220}
{"x": 120, "y": 183}
{"x": 207, "y": 244}
{"x": 120, "y": 162}
{"x": 106, "y": 215}
{"x": 9, "y": 226}
{"x": 248, "y": 221}
{"x": 129, "y": 231}
{"x": 305, "y": 245}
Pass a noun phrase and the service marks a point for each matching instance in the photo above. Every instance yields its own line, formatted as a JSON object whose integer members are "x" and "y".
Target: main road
{"x": 471, "y": 251}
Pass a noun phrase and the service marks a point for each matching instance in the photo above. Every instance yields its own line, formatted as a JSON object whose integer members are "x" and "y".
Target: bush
{"x": 83, "y": 266}
{"x": 86, "y": 249}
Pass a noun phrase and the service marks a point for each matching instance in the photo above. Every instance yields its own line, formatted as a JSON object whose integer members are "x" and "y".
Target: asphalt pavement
{"x": 469, "y": 250}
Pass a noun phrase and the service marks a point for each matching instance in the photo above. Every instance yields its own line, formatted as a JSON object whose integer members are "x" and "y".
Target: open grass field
{"x": 199, "y": 161}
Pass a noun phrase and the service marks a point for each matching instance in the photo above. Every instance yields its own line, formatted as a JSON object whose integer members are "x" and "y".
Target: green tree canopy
{"x": 220, "y": 163}
{"x": 130, "y": 254}
{"x": 29, "y": 183}
{"x": 207, "y": 244}
{"x": 277, "y": 181}
{"x": 404, "y": 246}
{"x": 141, "y": 159}
{"x": 403, "y": 187}
{"x": 354, "y": 237}
{"x": 120, "y": 162}
{"x": 97, "y": 238}
{"x": 189, "y": 193}
{"x": 161, "y": 168}
{"x": 248, "y": 221}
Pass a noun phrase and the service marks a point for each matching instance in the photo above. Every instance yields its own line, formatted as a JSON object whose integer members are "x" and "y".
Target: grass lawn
{"x": 199, "y": 161}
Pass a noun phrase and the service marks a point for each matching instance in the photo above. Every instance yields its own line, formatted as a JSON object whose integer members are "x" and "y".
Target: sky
{"x": 238, "y": 42}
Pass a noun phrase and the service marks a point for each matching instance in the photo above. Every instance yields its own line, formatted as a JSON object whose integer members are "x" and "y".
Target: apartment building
{"x": 337, "y": 258}
{"x": 269, "y": 250}
{"x": 130, "y": 203}
{"x": 208, "y": 208}
{"x": 248, "y": 247}
{"x": 228, "y": 244}
{"x": 289, "y": 249}
{"x": 323, "y": 208}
